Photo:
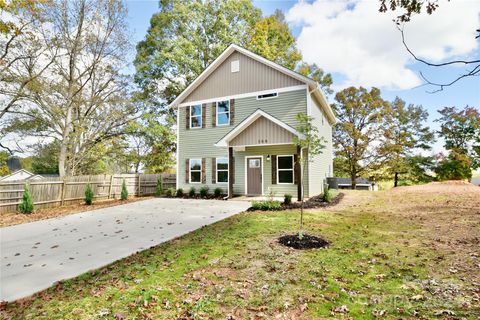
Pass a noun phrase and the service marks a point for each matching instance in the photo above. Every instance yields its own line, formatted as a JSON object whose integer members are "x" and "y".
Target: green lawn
{"x": 382, "y": 263}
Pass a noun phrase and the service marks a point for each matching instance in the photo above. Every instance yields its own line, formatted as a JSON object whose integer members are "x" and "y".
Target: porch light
{"x": 268, "y": 157}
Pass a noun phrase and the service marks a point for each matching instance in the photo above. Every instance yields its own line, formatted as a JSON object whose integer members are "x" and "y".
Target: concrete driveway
{"x": 36, "y": 255}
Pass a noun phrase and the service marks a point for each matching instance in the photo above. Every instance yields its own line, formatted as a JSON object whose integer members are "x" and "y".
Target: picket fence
{"x": 54, "y": 192}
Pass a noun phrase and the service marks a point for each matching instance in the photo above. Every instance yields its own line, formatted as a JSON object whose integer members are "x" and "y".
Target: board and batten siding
{"x": 321, "y": 166}
{"x": 223, "y": 82}
{"x": 262, "y": 131}
{"x": 199, "y": 143}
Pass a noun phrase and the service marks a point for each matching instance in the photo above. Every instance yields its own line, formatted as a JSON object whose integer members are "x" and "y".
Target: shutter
{"x": 204, "y": 115}
{"x": 214, "y": 114}
{"x": 232, "y": 111}
{"x": 187, "y": 117}
{"x": 187, "y": 170}
{"x": 296, "y": 167}
{"x": 274, "y": 169}
{"x": 204, "y": 177}
{"x": 214, "y": 170}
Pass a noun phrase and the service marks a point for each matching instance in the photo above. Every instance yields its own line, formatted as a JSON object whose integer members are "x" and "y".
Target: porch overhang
{"x": 259, "y": 129}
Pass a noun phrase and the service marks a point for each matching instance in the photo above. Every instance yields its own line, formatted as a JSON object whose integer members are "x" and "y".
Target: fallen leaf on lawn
{"x": 341, "y": 309}
{"x": 380, "y": 277}
{"x": 120, "y": 316}
{"x": 378, "y": 313}
{"x": 417, "y": 297}
{"x": 445, "y": 312}
{"x": 103, "y": 313}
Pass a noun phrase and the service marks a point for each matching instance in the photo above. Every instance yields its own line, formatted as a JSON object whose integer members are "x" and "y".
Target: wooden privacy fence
{"x": 53, "y": 192}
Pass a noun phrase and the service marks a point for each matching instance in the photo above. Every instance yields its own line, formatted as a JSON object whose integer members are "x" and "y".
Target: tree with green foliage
{"x": 185, "y": 37}
{"x": 45, "y": 158}
{"x": 460, "y": 129}
{"x": 26, "y": 206}
{"x": 158, "y": 187}
{"x": 456, "y": 166}
{"x": 311, "y": 145}
{"x": 124, "y": 192}
{"x": 152, "y": 143}
{"x": 340, "y": 167}
{"x": 419, "y": 168}
{"x": 406, "y": 133}
{"x": 360, "y": 129}
{"x": 69, "y": 102}
{"x": 316, "y": 73}
{"x": 4, "y": 170}
{"x": 88, "y": 194}
{"x": 271, "y": 38}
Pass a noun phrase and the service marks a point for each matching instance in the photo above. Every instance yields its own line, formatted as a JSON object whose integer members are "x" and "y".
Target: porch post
{"x": 231, "y": 172}
{"x": 299, "y": 170}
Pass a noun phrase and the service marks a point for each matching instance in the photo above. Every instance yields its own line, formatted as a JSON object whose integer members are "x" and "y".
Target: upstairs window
{"x": 267, "y": 96}
{"x": 223, "y": 113}
{"x": 196, "y": 116}
{"x": 195, "y": 170}
{"x": 222, "y": 170}
{"x": 285, "y": 169}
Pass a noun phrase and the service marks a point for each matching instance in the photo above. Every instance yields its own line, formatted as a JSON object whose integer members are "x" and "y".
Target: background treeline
{"x": 67, "y": 101}
{"x": 384, "y": 140}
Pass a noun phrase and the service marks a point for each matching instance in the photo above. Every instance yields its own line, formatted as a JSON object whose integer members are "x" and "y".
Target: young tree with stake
{"x": 310, "y": 141}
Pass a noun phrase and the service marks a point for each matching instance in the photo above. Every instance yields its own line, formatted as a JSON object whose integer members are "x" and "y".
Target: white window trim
{"x": 272, "y": 97}
{"x": 217, "y": 113}
{"x": 190, "y": 171}
{"x": 201, "y": 116}
{"x": 293, "y": 169}
{"x": 216, "y": 170}
{"x": 246, "y": 173}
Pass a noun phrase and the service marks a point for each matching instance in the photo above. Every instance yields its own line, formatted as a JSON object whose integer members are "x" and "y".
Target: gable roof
{"x": 250, "y": 120}
{"x": 16, "y": 173}
{"x": 313, "y": 86}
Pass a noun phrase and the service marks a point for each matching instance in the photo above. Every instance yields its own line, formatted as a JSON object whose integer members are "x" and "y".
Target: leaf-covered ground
{"x": 406, "y": 253}
{"x": 13, "y": 218}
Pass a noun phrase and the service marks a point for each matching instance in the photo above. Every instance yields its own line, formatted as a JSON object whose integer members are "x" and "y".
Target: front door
{"x": 254, "y": 176}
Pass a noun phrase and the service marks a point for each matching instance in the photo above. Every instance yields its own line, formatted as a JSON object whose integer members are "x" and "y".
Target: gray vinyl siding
{"x": 199, "y": 143}
{"x": 253, "y": 76}
{"x": 262, "y": 131}
{"x": 321, "y": 166}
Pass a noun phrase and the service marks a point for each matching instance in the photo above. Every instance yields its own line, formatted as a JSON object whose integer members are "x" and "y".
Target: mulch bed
{"x": 14, "y": 218}
{"x": 307, "y": 241}
{"x": 198, "y": 197}
{"x": 312, "y": 203}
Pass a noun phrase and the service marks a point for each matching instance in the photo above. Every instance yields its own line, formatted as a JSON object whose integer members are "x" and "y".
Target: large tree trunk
{"x": 395, "y": 183}
{"x": 62, "y": 156}
{"x": 353, "y": 176}
{"x": 72, "y": 92}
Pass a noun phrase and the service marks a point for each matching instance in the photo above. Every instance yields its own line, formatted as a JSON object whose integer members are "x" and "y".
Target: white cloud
{"x": 364, "y": 46}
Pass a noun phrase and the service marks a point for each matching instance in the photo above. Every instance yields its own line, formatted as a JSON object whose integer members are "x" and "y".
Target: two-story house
{"x": 236, "y": 123}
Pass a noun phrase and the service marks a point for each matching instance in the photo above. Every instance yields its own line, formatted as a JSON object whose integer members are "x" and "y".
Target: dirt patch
{"x": 14, "y": 218}
{"x": 449, "y": 216}
{"x": 307, "y": 241}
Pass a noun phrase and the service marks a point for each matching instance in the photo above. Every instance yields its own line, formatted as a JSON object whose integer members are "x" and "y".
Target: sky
{"x": 360, "y": 46}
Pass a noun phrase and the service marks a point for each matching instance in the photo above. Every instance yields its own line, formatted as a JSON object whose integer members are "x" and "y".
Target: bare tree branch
{"x": 473, "y": 72}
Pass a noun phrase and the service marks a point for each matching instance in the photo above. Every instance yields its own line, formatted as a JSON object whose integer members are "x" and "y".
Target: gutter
{"x": 321, "y": 97}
